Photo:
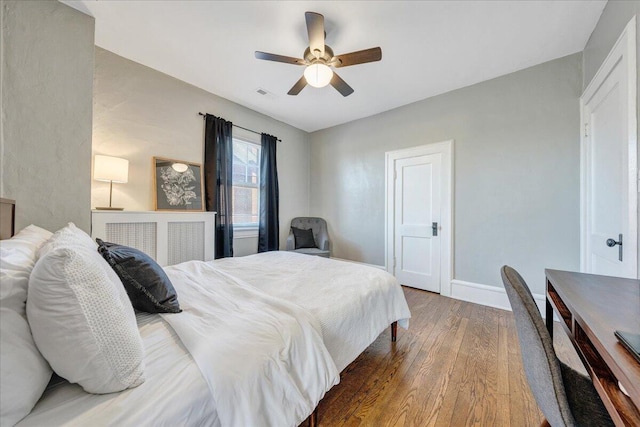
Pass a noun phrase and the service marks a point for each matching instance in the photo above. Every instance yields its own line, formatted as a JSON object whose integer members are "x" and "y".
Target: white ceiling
{"x": 428, "y": 47}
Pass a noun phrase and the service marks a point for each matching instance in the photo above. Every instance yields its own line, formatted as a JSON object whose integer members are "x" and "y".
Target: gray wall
{"x": 47, "y": 79}
{"x": 615, "y": 16}
{"x": 140, "y": 113}
{"x": 516, "y": 179}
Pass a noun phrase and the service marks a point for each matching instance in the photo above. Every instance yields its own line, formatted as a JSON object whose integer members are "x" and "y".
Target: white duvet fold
{"x": 354, "y": 303}
{"x": 263, "y": 358}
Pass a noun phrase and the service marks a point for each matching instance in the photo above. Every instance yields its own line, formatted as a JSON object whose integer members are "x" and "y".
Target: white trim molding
{"x": 245, "y": 233}
{"x": 492, "y": 296}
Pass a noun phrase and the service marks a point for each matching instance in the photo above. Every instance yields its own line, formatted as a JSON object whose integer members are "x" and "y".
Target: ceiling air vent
{"x": 266, "y": 93}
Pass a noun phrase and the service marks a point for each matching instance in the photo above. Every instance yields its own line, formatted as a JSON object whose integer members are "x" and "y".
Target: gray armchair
{"x": 320, "y": 235}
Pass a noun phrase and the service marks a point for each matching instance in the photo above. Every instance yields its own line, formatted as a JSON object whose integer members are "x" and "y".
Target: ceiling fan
{"x": 319, "y": 59}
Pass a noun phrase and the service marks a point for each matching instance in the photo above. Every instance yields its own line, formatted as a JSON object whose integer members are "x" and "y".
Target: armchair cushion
{"x": 303, "y": 238}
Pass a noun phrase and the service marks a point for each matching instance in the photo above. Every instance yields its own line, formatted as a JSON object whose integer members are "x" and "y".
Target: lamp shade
{"x": 107, "y": 168}
{"x": 318, "y": 75}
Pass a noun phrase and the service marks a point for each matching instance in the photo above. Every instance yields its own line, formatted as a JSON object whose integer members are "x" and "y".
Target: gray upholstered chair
{"x": 565, "y": 397}
{"x": 320, "y": 236}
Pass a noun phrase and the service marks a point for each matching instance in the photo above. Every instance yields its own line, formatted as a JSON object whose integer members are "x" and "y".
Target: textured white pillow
{"x": 24, "y": 373}
{"x": 83, "y": 322}
{"x": 70, "y": 236}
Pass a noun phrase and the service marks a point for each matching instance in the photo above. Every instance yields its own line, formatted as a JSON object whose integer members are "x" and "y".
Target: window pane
{"x": 239, "y": 173}
{"x": 246, "y": 177}
{"x": 240, "y": 151}
{"x": 252, "y": 155}
{"x": 245, "y": 205}
{"x": 252, "y": 174}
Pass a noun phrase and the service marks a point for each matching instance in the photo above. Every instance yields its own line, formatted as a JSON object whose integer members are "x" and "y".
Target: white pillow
{"x": 70, "y": 235}
{"x": 83, "y": 322}
{"x": 24, "y": 373}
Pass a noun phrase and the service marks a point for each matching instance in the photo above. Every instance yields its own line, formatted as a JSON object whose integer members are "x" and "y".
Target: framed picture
{"x": 178, "y": 185}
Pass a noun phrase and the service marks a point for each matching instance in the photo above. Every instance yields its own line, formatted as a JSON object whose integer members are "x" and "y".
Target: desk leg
{"x": 549, "y": 317}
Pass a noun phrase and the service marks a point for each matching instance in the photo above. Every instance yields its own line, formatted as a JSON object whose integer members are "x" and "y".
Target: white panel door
{"x": 417, "y": 208}
{"x": 610, "y": 171}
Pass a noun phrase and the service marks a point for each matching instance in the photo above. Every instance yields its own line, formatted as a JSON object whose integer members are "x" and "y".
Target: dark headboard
{"x": 7, "y": 218}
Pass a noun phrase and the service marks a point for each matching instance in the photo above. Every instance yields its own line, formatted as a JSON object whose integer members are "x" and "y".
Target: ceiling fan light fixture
{"x": 318, "y": 75}
{"x": 319, "y": 57}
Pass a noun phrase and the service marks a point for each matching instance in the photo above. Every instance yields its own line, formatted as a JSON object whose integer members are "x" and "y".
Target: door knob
{"x": 611, "y": 243}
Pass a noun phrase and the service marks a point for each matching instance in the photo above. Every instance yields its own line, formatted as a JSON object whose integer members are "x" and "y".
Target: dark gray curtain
{"x": 269, "y": 228}
{"x": 218, "y": 165}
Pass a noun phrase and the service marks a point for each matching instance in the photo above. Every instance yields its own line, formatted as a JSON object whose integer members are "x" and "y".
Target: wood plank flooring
{"x": 459, "y": 364}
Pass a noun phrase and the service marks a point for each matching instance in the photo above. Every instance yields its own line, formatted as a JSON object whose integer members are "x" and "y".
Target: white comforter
{"x": 262, "y": 357}
{"x": 353, "y": 302}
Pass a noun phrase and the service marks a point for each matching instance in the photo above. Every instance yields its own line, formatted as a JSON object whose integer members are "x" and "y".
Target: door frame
{"x": 623, "y": 50}
{"x": 445, "y": 148}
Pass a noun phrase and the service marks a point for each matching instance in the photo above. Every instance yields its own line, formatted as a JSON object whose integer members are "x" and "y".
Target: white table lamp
{"x": 110, "y": 169}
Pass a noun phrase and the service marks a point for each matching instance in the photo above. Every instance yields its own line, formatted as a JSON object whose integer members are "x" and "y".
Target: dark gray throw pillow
{"x": 304, "y": 238}
{"x": 147, "y": 284}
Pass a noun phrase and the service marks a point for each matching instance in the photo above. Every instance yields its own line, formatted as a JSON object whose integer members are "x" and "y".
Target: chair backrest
{"x": 541, "y": 364}
{"x": 317, "y": 225}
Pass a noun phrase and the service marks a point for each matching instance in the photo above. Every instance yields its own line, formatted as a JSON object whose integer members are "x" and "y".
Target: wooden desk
{"x": 591, "y": 308}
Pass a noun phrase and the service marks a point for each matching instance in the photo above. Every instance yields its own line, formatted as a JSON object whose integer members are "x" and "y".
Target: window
{"x": 246, "y": 182}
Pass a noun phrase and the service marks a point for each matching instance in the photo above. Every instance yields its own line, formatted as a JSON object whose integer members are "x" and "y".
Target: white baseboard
{"x": 381, "y": 267}
{"x": 491, "y": 296}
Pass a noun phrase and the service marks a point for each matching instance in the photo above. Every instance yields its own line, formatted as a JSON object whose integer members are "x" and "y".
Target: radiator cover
{"x": 168, "y": 237}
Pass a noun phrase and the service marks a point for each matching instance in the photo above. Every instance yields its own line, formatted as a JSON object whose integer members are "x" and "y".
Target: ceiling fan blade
{"x": 300, "y": 84}
{"x": 315, "y": 29}
{"x": 280, "y": 58}
{"x": 340, "y": 85}
{"x": 359, "y": 57}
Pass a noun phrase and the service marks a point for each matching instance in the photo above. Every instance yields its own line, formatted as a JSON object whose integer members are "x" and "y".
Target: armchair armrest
{"x": 323, "y": 240}
{"x": 291, "y": 241}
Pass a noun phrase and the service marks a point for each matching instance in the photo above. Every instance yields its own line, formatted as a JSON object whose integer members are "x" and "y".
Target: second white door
{"x": 417, "y": 201}
{"x": 609, "y": 166}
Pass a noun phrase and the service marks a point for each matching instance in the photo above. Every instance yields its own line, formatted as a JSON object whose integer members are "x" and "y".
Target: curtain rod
{"x": 248, "y": 130}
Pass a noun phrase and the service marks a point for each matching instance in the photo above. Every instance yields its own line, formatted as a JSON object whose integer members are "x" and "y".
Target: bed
{"x": 346, "y": 305}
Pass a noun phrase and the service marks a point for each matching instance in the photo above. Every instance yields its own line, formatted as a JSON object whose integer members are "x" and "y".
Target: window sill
{"x": 245, "y": 232}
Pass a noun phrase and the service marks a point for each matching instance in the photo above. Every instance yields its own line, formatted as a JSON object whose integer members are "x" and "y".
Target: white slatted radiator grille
{"x": 139, "y": 235}
{"x": 168, "y": 237}
{"x": 186, "y": 242}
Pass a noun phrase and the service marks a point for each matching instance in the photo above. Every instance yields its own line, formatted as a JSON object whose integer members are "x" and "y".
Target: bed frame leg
{"x": 313, "y": 418}
{"x": 394, "y": 331}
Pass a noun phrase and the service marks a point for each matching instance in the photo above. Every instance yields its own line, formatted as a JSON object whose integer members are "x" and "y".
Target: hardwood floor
{"x": 458, "y": 364}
